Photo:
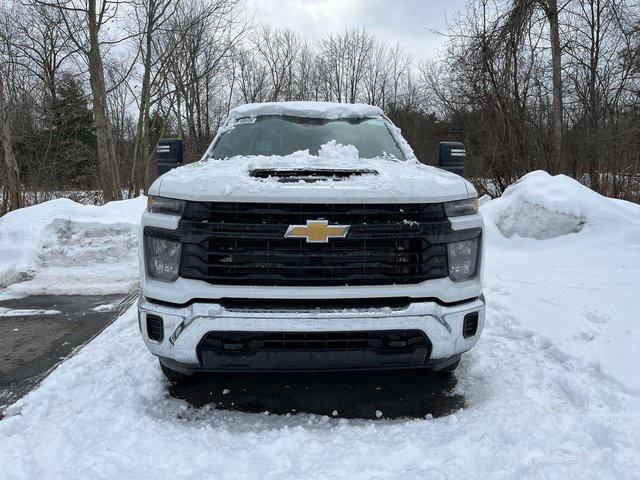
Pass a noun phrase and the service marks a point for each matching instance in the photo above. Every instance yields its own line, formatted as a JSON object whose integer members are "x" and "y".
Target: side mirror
{"x": 451, "y": 157}
{"x": 169, "y": 154}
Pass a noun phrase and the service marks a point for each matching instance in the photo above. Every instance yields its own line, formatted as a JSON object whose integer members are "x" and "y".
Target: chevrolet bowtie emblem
{"x": 317, "y": 231}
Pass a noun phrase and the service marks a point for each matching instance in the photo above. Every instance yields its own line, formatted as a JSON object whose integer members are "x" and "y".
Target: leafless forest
{"x": 88, "y": 86}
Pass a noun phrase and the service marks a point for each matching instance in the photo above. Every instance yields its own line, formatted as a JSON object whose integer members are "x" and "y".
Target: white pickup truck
{"x": 309, "y": 237}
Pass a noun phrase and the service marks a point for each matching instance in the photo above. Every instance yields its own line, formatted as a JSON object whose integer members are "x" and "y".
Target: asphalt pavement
{"x": 39, "y": 332}
{"x": 368, "y": 395}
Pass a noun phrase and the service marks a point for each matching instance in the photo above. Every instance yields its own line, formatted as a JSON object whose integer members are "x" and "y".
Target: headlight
{"x": 458, "y": 208}
{"x": 162, "y": 258}
{"x": 167, "y": 206}
{"x": 463, "y": 259}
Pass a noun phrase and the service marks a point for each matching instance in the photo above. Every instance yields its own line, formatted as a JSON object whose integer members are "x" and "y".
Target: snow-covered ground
{"x": 551, "y": 388}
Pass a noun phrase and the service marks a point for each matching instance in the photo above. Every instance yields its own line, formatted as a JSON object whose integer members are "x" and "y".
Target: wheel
{"x": 174, "y": 376}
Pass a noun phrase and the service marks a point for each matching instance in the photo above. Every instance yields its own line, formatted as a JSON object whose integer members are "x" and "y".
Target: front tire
{"x": 174, "y": 376}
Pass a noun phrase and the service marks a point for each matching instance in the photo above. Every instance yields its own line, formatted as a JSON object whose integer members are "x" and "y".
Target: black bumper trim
{"x": 262, "y": 303}
{"x": 191, "y": 369}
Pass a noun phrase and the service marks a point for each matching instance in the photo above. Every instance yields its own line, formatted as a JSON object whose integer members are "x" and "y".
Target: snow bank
{"x": 62, "y": 247}
{"x": 542, "y": 206}
{"x": 328, "y": 110}
{"x": 578, "y": 288}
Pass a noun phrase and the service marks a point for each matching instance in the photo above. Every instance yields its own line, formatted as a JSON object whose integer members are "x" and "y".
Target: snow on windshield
{"x": 283, "y": 135}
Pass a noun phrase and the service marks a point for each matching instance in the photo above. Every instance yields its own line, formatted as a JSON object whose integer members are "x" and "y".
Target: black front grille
{"x": 244, "y": 244}
{"x": 313, "y": 350}
{"x": 283, "y": 214}
{"x": 251, "y": 342}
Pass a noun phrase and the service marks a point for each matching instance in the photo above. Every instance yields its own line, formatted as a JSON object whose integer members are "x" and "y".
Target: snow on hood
{"x": 326, "y": 110}
{"x": 542, "y": 206}
{"x": 395, "y": 182}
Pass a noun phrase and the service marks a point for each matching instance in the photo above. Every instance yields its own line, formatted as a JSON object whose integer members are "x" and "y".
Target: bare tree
{"x": 345, "y": 58}
{"x": 205, "y": 35}
{"x": 83, "y": 21}
{"x": 252, "y": 76}
{"x": 278, "y": 49}
{"x": 517, "y": 18}
{"x": 378, "y": 74}
{"x": 152, "y": 18}
{"x": 42, "y": 48}
{"x": 11, "y": 165}
{"x": 7, "y": 80}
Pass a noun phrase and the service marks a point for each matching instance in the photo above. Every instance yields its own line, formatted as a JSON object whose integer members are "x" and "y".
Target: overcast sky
{"x": 405, "y": 21}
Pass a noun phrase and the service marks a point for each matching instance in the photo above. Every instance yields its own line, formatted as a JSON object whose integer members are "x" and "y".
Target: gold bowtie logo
{"x": 317, "y": 231}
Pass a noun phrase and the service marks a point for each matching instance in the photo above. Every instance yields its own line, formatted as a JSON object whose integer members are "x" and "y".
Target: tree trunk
{"x": 556, "y": 128}
{"x": 107, "y": 158}
{"x": 140, "y": 167}
{"x": 11, "y": 166}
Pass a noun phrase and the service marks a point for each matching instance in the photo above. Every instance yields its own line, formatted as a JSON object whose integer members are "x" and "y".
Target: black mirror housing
{"x": 169, "y": 154}
{"x": 451, "y": 157}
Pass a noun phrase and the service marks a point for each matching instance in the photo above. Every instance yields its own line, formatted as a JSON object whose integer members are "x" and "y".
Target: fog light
{"x": 470, "y": 325}
{"x": 463, "y": 259}
{"x": 162, "y": 258}
{"x": 155, "y": 328}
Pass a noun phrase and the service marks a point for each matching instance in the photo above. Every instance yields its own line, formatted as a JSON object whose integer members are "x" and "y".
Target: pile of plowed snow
{"x": 569, "y": 259}
{"x": 542, "y": 206}
{"x": 62, "y": 247}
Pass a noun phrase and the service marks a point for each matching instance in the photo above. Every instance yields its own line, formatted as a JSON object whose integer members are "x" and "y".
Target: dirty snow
{"x": 107, "y": 307}
{"x": 551, "y": 388}
{"x": 62, "y": 247}
{"x": 25, "y": 312}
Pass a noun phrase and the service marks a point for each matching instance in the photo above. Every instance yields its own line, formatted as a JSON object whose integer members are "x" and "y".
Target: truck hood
{"x": 311, "y": 179}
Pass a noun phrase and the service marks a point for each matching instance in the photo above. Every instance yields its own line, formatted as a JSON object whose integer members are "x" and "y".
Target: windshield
{"x": 282, "y": 135}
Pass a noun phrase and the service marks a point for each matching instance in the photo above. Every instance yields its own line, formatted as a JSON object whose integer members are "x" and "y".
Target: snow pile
{"x": 542, "y": 206}
{"x": 578, "y": 288}
{"x": 327, "y": 110}
{"x": 62, "y": 247}
{"x": 332, "y": 149}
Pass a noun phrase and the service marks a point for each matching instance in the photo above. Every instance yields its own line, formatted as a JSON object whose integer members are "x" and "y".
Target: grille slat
{"x": 350, "y": 258}
{"x": 248, "y": 342}
{"x": 282, "y": 214}
{"x": 244, "y": 244}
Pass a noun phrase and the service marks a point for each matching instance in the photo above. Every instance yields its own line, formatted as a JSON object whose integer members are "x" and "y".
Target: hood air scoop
{"x": 307, "y": 175}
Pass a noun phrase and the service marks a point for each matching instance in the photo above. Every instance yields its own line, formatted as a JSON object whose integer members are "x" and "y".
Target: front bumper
{"x": 185, "y": 327}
